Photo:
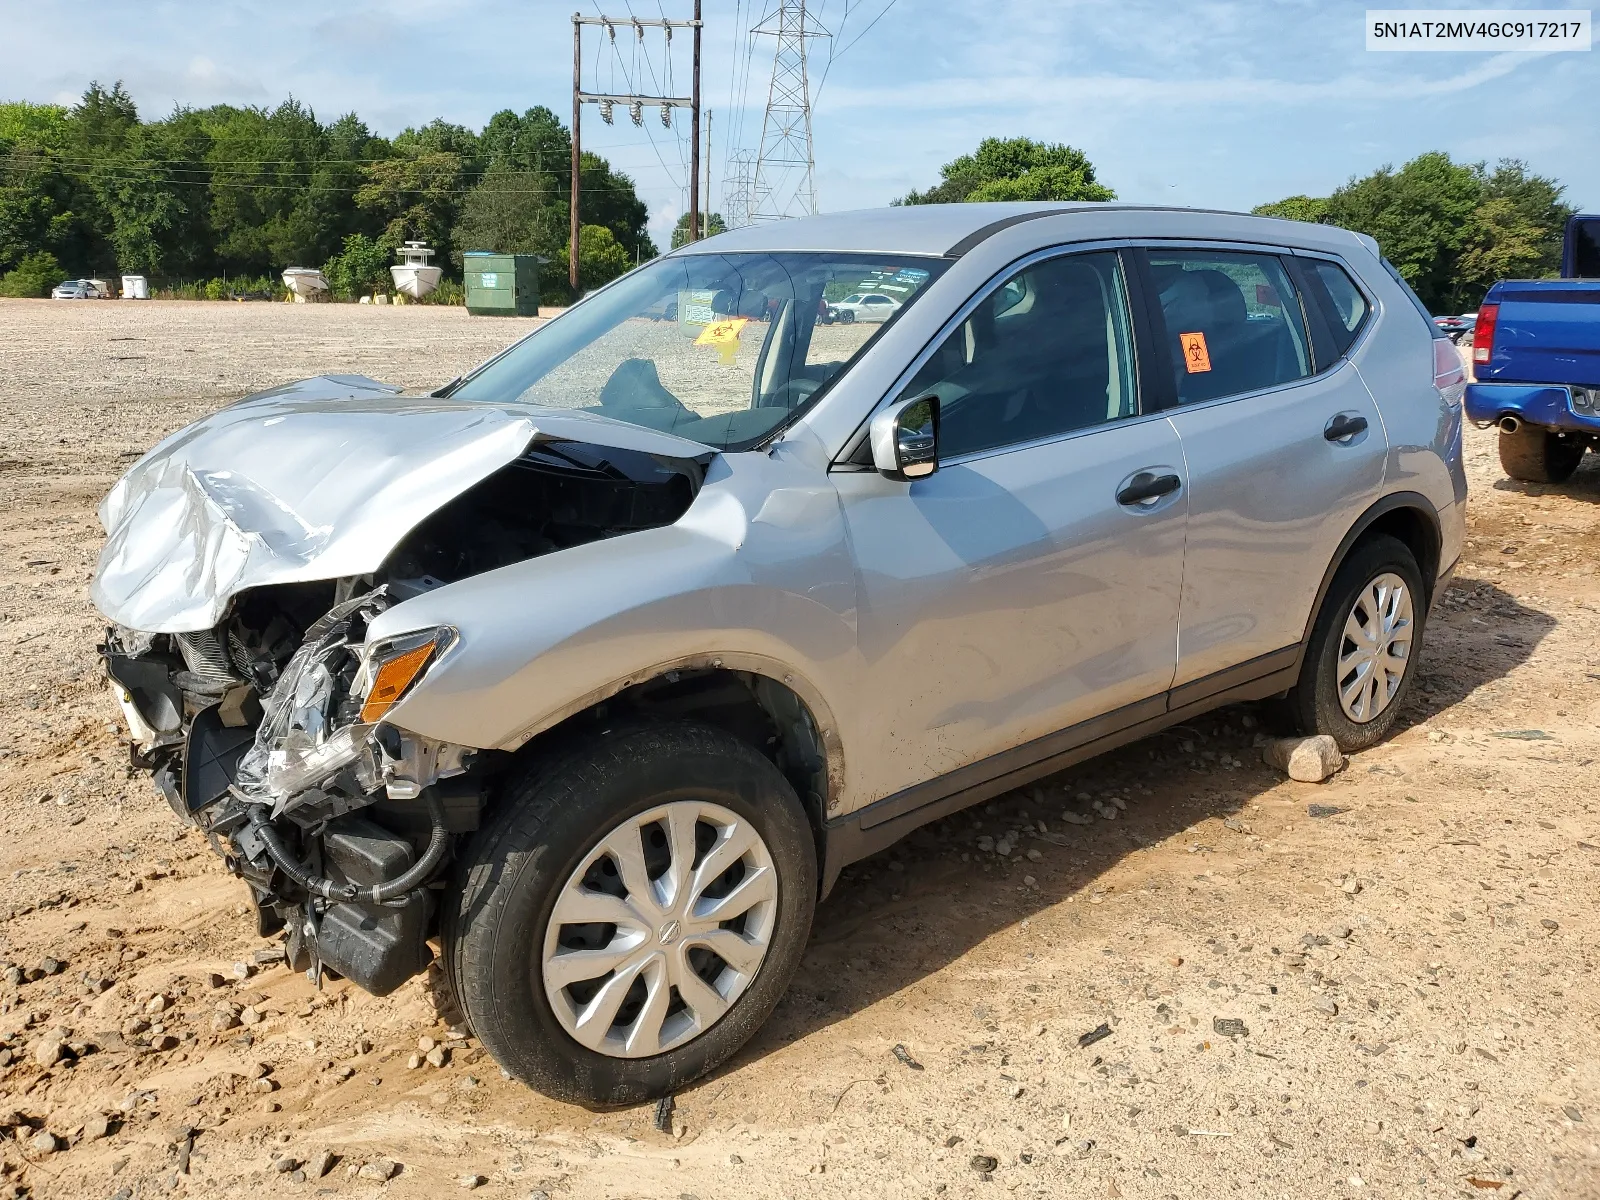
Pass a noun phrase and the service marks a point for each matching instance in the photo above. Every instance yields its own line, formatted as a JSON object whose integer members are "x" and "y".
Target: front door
{"x": 1284, "y": 454}
{"x": 1012, "y": 593}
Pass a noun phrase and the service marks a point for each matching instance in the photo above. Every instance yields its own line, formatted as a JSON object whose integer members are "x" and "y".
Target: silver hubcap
{"x": 1375, "y": 648}
{"x": 660, "y": 929}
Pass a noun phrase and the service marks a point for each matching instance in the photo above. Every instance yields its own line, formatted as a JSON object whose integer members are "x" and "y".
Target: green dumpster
{"x": 502, "y": 285}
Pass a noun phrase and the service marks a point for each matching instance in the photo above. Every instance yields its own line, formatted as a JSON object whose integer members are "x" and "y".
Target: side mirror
{"x": 905, "y": 439}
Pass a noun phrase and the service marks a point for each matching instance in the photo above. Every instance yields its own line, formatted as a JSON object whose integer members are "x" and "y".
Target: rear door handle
{"x": 1146, "y": 486}
{"x": 1343, "y": 426}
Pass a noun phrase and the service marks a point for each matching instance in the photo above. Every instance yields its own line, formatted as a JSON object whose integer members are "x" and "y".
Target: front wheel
{"x": 1363, "y": 648}
{"x": 1536, "y": 455}
{"x": 633, "y": 913}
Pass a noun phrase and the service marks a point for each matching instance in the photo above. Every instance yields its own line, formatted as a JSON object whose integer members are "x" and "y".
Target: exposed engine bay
{"x": 268, "y": 731}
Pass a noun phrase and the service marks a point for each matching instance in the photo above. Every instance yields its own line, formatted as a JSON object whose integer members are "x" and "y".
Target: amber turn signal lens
{"x": 393, "y": 678}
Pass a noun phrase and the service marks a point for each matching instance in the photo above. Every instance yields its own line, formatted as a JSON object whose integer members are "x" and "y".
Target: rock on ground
{"x": 1307, "y": 759}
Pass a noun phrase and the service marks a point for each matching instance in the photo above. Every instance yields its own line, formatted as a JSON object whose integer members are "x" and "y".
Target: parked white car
{"x": 77, "y": 289}
{"x": 866, "y": 306}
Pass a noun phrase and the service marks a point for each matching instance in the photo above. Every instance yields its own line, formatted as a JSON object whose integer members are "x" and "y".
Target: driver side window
{"x": 1047, "y": 352}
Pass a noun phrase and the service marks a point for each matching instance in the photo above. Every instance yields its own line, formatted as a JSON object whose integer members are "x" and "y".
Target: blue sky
{"x": 1214, "y": 104}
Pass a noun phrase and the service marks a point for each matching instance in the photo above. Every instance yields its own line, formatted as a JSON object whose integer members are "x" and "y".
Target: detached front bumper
{"x": 1551, "y": 406}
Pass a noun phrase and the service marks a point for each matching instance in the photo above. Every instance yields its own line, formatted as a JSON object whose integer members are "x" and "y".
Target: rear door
{"x": 1284, "y": 451}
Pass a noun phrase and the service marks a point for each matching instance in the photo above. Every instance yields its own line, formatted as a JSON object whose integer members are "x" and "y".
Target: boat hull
{"x": 414, "y": 280}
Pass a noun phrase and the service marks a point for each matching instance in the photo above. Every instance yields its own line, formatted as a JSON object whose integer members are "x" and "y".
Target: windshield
{"x": 718, "y": 348}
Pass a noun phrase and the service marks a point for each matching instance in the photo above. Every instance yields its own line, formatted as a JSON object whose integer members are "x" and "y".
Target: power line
{"x": 841, "y": 53}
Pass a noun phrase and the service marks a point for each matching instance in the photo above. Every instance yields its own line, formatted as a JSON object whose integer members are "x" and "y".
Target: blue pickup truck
{"x": 1536, "y": 363}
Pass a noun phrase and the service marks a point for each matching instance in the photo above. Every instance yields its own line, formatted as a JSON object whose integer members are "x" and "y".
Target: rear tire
{"x": 1377, "y": 586}
{"x": 1537, "y": 455}
{"x": 583, "y": 831}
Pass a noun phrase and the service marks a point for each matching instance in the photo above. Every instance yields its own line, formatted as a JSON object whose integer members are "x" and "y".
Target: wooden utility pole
{"x": 577, "y": 113}
{"x": 635, "y": 104}
{"x": 694, "y": 135}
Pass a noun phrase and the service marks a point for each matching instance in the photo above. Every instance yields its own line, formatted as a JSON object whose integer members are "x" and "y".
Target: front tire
{"x": 1536, "y": 455}
{"x": 632, "y": 914}
{"x": 1363, "y": 649}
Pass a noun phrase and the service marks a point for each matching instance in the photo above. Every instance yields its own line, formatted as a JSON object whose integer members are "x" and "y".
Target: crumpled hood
{"x": 314, "y": 480}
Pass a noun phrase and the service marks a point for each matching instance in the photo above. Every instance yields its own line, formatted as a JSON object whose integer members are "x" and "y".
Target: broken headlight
{"x": 320, "y": 717}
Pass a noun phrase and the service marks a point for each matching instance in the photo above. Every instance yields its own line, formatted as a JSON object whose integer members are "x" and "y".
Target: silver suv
{"x": 600, "y": 662}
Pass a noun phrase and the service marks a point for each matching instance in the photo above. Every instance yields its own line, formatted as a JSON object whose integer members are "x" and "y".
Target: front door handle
{"x": 1145, "y": 486}
{"x": 1343, "y": 426}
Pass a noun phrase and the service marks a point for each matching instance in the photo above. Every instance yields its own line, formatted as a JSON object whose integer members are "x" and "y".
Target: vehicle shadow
{"x": 917, "y": 908}
{"x": 1584, "y": 484}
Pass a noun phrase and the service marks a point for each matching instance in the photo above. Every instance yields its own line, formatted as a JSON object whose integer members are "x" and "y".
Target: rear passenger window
{"x": 1047, "y": 352}
{"x": 1233, "y": 322}
{"x": 1345, "y": 306}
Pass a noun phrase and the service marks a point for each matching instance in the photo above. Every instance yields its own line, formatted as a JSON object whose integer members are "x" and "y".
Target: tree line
{"x": 95, "y": 190}
{"x": 244, "y": 192}
{"x": 1450, "y": 228}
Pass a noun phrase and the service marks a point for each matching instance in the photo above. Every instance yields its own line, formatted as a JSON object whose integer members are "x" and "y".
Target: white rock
{"x": 1309, "y": 760}
{"x": 1072, "y": 818}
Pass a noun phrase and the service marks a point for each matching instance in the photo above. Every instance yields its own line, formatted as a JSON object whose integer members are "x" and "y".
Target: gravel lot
{"x": 1396, "y": 999}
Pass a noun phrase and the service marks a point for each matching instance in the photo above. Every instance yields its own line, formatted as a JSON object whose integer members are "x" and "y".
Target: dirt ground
{"x": 1396, "y": 999}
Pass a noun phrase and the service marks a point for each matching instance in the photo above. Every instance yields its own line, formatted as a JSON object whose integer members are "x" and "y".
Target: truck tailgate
{"x": 1548, "y": 332}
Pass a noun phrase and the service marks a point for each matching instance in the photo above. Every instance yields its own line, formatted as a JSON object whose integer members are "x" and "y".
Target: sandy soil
{"x": 1413, "y": 976}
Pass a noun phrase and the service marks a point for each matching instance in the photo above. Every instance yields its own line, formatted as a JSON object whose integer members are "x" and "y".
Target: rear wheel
{"x": 633, "y": 913}
{"x": 1363, "y": 647}
{"x": 1537, "y": 455}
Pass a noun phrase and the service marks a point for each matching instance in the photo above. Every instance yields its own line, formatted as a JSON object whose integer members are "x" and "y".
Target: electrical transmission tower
{"x": 736, "y": 184}
{"x": 785, "y": 176}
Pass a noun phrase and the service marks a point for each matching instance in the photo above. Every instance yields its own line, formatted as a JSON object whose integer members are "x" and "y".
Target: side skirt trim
{"x": 863, "y": 833}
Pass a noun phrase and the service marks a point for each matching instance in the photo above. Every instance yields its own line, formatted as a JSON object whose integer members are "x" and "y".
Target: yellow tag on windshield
{"x": 724, "y": 335}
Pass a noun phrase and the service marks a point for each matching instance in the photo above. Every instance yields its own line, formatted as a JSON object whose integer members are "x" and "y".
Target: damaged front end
{"x": 336, "y": 821}
{"x": 246, "y": 558}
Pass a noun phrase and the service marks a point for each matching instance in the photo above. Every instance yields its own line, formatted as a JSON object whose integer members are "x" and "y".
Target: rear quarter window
{"x": 1343, "y": 306}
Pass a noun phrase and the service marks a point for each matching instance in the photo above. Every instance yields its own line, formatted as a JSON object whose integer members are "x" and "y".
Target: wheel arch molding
{"x": 1408, "y": 516}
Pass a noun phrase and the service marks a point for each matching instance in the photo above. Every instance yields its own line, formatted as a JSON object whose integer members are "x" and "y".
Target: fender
{"x": 1432, "y": 573}
{"x": 736, "y": 660}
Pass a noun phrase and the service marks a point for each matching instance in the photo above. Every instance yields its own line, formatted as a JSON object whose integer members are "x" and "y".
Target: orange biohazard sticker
{"x": 1196, "y": 357}
{"x": 724, "y": 335}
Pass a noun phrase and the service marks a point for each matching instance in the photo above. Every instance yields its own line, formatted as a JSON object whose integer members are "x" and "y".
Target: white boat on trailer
{"x": 413, "y": 274}
{"x": 304, "y": 282}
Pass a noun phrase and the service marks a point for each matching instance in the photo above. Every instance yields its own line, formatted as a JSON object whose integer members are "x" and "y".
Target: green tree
{"x": 228, "y": 191}
{"x": 509, "y": 214}
{"x": 416, "y": 197}
{"x": 1295, "y": 208}
{"x": 600, "y": 258}
{"x": 361, "y": 267}
{"x": 712, "y": 223}
{"x": 1015, "y": 169}
{"x": 1451, "y": 229}
{"x": 33, "y": 277}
